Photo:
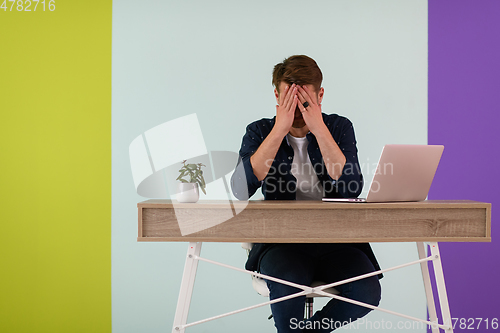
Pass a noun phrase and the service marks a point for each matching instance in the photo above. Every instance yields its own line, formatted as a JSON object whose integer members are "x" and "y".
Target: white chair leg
{"x": 441, "y": 288}
{"x": 187, "y": 284}
{"x": 431, "y": 306}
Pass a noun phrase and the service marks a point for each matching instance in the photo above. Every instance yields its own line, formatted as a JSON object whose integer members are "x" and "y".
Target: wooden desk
{"x": 315, "y": 221}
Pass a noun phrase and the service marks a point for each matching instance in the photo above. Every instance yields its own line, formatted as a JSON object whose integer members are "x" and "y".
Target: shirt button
{"x": 289, "y": 157}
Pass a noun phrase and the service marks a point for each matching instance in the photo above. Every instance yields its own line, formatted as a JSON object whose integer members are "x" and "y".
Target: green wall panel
{"x": 55, "y": 167}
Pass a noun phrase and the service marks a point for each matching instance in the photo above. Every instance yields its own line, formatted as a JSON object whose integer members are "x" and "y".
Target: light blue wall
{"x": 214, "y": 58}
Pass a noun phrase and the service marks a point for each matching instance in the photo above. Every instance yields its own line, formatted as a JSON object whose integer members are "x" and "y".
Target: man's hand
{"x": 333, "y": 157}
{"x": 312, "y": 114}
{"x": 285, "y": 111}
{"x": 263, "y": 158}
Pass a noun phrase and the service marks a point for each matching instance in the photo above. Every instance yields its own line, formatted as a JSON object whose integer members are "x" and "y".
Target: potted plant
{"x": 188, "y": 188}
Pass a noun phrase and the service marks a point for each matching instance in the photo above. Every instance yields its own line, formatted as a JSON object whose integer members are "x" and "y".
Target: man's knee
{"x": 372, "y": 291}
{"x": 278, "y": 288}
{"x": 367, "y": 291}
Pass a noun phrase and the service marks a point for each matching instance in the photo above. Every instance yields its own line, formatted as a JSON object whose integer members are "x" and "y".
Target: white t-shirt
{"x": 308, "y": 184}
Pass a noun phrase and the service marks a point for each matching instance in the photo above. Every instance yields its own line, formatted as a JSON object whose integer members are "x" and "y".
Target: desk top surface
{"x": 311, "y": 204}
{"x": 314, "y": 221}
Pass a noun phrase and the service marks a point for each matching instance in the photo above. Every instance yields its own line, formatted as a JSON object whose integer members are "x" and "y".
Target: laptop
{"x": 404, "y": 173}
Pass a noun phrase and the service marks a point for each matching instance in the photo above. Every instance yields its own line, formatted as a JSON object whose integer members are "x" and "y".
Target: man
{"x": 304, "y": 154}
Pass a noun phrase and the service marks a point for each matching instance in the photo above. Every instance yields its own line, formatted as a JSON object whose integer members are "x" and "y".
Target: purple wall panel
{"x": 464, "y": 115}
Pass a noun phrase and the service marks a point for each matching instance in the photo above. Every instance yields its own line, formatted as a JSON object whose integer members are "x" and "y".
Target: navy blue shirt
{"x": 279, "y": 183}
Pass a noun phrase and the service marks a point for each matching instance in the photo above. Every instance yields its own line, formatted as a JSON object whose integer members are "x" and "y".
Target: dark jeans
{"x": 305, "y": 263}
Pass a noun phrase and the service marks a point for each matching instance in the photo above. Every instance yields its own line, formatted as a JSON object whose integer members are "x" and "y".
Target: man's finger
{"x": 294, "y": 104}
{"x": 305, "y": 95}
{"x": 301, "y": 98}
{"x": 301, "y": 107}
{"x": 289, "y": 97}
{"x": 309, "y": 92}
{"x": 282, "y": 95}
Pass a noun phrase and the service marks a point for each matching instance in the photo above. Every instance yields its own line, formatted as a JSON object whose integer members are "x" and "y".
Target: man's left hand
{"x": 312, "y": 113}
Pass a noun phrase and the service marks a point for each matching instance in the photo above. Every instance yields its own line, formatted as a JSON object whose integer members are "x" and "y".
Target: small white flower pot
{"x": 188, "y": 192}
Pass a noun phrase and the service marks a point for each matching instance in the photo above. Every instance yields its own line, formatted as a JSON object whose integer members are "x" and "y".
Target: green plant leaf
{"x": 183, "y": 173}
{"x": 194, "y": 173}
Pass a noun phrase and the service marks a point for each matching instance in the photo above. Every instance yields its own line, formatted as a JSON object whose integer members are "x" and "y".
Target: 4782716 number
{"x": 475, "y": 323}
{"x": 28, "y": 5}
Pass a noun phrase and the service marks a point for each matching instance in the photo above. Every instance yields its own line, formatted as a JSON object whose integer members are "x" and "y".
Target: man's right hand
{"x": 285, "y": 111}
{"x": 263, "y": 158}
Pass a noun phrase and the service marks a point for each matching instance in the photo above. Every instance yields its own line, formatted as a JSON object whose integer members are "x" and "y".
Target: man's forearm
{"x": 332, "y": 155}
{"x": 263, "y": 158}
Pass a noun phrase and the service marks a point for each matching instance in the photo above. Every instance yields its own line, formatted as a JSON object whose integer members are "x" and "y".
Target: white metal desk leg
{"x": 187, "y": 284}
{"x": 441, "y": 288}
{"x": 431, "y": 306}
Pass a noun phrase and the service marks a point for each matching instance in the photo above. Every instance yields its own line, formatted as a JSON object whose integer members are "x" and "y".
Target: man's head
{"x": 303, "y": 71}
{"x": 298, "y": 69}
